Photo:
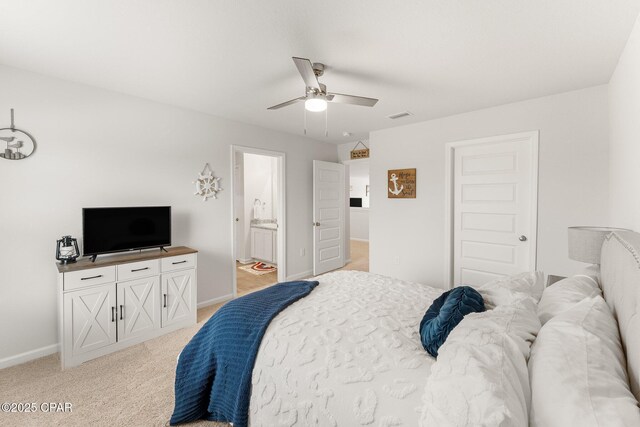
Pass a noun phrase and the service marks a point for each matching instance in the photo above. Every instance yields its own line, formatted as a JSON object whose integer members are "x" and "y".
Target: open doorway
{"x": 358, "y": 228}
{"x": 259, "y": 220}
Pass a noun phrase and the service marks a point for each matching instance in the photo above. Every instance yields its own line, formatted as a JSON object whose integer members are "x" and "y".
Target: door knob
{"x": 316, "y": 224}
{"x": 522, "y": 238}
{"x": 237, "y": 219}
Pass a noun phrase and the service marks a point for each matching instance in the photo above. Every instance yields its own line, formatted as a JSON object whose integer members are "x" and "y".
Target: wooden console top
{"x": 124, "y": 258}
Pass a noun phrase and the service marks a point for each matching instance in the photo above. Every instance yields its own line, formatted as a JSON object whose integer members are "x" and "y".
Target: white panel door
{"x": 138, "y": 307}
{"x": 494, "y": 208}
{"x": 328, "y": 216}
{"x": 90, "y": 315}
{"x": 178, "y": 298}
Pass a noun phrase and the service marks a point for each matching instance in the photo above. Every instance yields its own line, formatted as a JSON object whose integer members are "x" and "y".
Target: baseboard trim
{"x": 359, "y": 240}
{"x": 54, "y": 348}
{"x": 213, "y": 301}
{"x": 299, "y": 276}
{"x": 28, "y": 356}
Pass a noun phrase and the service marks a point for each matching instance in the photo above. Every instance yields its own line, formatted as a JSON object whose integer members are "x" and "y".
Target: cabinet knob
{"x": 237, "y": 219}
{"x": 522, "y": 238}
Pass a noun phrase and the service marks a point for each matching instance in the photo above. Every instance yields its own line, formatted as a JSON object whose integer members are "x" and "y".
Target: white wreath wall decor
{"x": 207, "y": 185}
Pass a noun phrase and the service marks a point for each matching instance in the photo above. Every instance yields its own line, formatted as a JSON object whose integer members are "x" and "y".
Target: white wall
{"x": 624, "y": 160}
{"x": 359, "y": 223}
{"x": 358, "y": 187}
{"x": 407, "y": 235}
{"x": 100, "y": 148}
{"x": 344, "y": 150}
{"x": 260, "y": 182}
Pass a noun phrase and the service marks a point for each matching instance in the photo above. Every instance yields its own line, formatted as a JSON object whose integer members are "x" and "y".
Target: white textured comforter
{"x": 348, "y": 354}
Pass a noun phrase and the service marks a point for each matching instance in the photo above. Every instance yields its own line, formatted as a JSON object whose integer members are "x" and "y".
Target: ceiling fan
{"x": 316, "y": 96}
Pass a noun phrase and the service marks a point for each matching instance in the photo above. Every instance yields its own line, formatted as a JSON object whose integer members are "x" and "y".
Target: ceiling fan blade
{"x": 284, "y": 104}
{"x": 351, "y": 99}
{"x": 306, "y": 71}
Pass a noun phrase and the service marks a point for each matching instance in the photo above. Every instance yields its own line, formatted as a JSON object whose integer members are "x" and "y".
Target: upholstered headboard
{"x": 620, "y": 279}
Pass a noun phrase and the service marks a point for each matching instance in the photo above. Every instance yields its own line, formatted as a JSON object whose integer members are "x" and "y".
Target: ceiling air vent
{"x": 399, "y": 115}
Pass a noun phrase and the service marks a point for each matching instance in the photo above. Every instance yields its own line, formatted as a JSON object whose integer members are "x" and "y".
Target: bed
{"x": 349, "y": 353}
{"x": 620, "y": 282}
{"x": 584, "y": 363}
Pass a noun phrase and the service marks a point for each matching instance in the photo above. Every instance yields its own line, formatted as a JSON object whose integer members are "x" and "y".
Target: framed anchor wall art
{"x": 401, "y": 184}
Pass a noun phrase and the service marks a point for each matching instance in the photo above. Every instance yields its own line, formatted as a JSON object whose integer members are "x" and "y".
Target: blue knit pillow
{"x": 445, "y": 313}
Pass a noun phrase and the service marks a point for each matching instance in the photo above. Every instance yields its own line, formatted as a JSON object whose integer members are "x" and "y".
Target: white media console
{"x": 121, "y": 300}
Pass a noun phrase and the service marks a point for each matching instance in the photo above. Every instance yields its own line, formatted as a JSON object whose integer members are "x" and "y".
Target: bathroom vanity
{"x": 264, "y": 242}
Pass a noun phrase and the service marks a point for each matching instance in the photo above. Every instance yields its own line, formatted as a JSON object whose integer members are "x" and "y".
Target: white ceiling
{"x": 233, "y": 58}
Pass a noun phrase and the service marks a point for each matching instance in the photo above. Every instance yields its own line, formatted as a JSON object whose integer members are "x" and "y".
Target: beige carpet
{"x": 132, "y": 387}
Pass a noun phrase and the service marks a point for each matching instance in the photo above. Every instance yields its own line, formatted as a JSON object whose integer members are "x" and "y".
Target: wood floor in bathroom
{"x": 248, "y": 282}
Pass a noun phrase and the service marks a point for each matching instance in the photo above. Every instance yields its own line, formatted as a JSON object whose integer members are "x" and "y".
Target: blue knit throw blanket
{"x": 213, "y": 376}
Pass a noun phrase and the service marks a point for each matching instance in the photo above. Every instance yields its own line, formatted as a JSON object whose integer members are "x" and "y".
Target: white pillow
{"x": 480, "y": 377}
{"x": 517, "y": 319}
{"x": 509, "y": 289}
{"x": 577, "y": 371}
{"x": 565, "y": 294}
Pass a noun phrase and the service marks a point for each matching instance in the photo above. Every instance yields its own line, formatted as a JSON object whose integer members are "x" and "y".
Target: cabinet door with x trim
{"x": 138, "y": 308}
{"x": 91, "y": 315}
{"x": 178, "y": 298}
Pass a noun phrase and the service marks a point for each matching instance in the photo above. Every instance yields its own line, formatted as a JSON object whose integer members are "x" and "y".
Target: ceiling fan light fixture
{"x": 315, "y": 104}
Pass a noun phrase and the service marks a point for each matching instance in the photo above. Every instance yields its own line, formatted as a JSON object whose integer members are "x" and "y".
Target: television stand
{"x": 169, "y": 279}
{"x": 162, "y": 249}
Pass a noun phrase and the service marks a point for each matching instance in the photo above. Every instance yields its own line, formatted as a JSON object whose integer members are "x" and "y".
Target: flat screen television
{"x": 108, "y": 230}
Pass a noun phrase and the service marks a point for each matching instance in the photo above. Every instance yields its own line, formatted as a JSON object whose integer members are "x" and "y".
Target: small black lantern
{"x": 67, "y": 250}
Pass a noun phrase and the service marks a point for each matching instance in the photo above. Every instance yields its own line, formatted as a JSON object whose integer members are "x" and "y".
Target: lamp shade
{"x": 585, "y": 243}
